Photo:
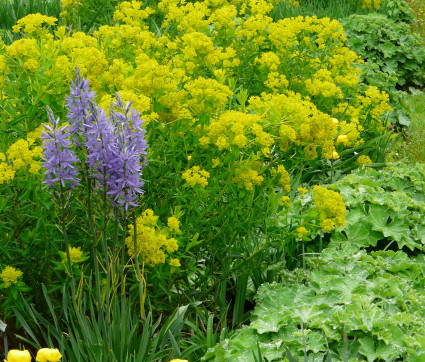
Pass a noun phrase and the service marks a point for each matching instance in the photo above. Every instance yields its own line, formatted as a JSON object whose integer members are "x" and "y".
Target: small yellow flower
{"x": 284, "y": 201}
{"x": 216, "y": 162}
{"x": 335, "y": 122}
{"x": 173, "y": 224}
{"x": 15, "y": 355}
{"x": 75, "y": 254}
{"x": 303, "y": 190}
{"x": 302, "y": 231}
{"x": 364, "y": 160}
{"x": 175, "y": 263}
{"x": 10, "y": 276}
{"x": 48, "y": 355}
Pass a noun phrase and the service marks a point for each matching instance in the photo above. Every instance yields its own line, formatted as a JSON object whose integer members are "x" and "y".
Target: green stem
{"x": 94, "y": 241}
{"x": 65, "y": 236}
{"x": 140, "y": 279}
{"x": 105, "y": 239}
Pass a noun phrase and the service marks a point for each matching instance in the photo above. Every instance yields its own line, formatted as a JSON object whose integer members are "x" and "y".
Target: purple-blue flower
{"x": 78, "y": 103}
{"x": 113, "y": 148}
{"x": 116, "y": 150}
{"x": 59, "y": 158}
{"x": 125, "y": 182}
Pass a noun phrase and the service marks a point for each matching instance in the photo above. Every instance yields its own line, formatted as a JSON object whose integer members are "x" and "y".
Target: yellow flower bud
{"x": 334, "y": 156}
{"x": 15, "y": 355}
{"x": 342, "y": 139}
{"x": 335, "y": 122}
{"x": 48, "y": 355}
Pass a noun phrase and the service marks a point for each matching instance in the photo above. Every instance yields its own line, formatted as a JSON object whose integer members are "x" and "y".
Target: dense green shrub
{"x": 387, "y": 47}
{"x": 385, "y": 207}
{"x": 359, "y": 306}
{"x": 397, "y": 10}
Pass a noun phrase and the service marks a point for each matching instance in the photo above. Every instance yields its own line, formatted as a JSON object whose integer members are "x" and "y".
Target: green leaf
{"x": 379, "y": 350}
{"x": 389, "y": 49}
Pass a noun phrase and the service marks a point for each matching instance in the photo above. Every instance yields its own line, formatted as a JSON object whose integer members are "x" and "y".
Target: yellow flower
{"x": 151, "y": 241}
{"x": 179, "y": 360}
{"x": 75, "y": 255}
{"x": 10, "y": 276}
{"x": 15, "y": 355}
{"x": 194, "y": 176}
{"x": 284, "y": 201}
{"x": 173, "y": 224}
{"x": 48, "y": 355}
{"x": 175, "y": 263}
{"x": 342, "y": 139}
{"x": 327, "y": 225}
{"x": 216, "y": 162}
{"x": 334, "y": 155}
{"x": 364, "y": 160}
{"x": 302, "y": 231}
{"x": 303, "y": 190}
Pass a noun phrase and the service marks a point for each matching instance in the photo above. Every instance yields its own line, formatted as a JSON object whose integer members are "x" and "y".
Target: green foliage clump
{"x": 397, "y": 10}
{"x": 385, "y": 207}
{"x": 393, "y": 55}
{"x": 354, "y": 305}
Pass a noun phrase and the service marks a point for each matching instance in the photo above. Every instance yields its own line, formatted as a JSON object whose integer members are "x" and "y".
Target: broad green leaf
{"x": 388, "y": 49}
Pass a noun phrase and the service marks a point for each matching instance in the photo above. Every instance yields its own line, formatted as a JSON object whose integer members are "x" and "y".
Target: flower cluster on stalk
{"x": 113, "y": 149}
{"x": 59, "y": 158}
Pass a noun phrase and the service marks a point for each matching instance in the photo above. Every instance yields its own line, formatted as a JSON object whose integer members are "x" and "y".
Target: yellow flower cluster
{"x": 206, "y": 95}
{"x": 301, "y": 232}
{"x": 284, "y": 201}
{"x": 303, "y": 125}
{"x": 371, "y": 4}
{"x": 364, "y": 160}
{"x": 23, "y": 48}
{"x": 173, "y": 72}
{"x": 75, "y": 255}
{"x": 131, "y": 13}
{"x": 330, "y": 206}
{"x": 282, "y": 177}
{"x": 21, "y": 154}
{"x": 323, "y": 84}
{"x": 7, "y": 173}
{"x": 151, "y": 241}
{"x": 247, "y": 178}
{"x": 34, "y": 24}
{"x": 10, "y": 275}
{"x": 43, "y": 355}
{"x": 195, "y": 176}
{"x": 188, "y": 74}
{"x": 232, "y": 128}
{"x": 173, "y": 224}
